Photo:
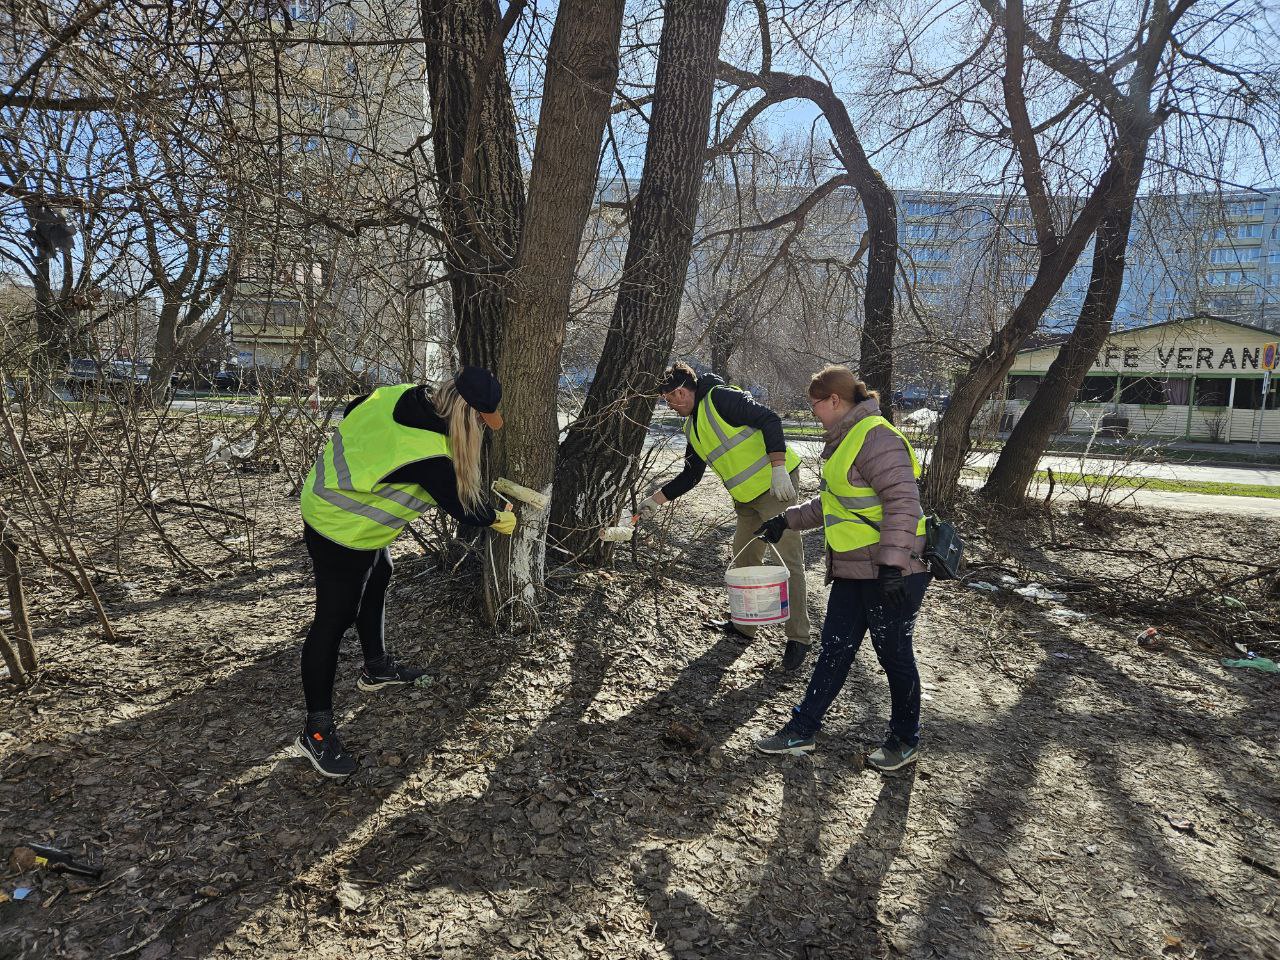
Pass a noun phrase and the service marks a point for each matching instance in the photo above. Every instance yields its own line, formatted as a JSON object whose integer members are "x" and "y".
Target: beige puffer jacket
{"x": 884, "y": 465}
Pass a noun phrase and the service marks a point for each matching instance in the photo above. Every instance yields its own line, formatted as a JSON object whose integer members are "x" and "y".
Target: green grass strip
{"x": 1212, "y": 487}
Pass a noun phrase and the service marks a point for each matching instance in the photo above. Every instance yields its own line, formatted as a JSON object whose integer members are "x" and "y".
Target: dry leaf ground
{"x": 532, "y": 802}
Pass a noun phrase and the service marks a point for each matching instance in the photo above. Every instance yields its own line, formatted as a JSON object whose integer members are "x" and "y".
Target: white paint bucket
{"x": 758, "y": 595}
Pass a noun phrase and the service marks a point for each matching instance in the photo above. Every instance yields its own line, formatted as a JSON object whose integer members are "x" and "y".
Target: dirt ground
{"x": 1077, "y": 796}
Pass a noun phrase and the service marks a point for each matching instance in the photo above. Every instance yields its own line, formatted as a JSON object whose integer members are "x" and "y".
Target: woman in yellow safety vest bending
{"x": 869, "y": 510}
{"x": 398, "y": 451}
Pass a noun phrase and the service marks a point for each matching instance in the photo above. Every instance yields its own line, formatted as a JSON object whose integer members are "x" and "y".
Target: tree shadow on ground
{"x": 192, "y": 794}
{"x": 989, "y": 836}
{"x": 796, "y": 909}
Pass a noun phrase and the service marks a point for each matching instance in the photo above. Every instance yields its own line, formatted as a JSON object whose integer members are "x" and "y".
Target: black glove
{"x": 772, "y": 529}
{"x": 892, "y": 588}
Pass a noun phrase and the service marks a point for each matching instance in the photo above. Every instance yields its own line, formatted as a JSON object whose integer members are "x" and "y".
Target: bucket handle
{"x": 771, "y": 546}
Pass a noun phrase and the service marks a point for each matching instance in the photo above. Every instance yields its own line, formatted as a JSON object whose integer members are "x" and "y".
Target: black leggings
{"x": 351, "y": 587}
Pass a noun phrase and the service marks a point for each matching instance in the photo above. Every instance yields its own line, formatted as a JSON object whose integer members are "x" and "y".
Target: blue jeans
{"x": 852, "y": 609}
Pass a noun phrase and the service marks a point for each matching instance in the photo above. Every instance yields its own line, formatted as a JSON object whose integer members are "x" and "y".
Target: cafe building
{"x": 1201, "y": 378}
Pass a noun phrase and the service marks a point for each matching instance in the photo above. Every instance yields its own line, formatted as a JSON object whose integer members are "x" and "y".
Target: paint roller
{"x": 619, "y": 534}
{"x": 515, "y": 491}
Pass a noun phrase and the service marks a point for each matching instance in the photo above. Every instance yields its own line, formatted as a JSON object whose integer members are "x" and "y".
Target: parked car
{"x": 127, "y": 379}
{"x": 235, "y": 380}
{"x": 915, "y": 398}
{"x": 83, "y": 375}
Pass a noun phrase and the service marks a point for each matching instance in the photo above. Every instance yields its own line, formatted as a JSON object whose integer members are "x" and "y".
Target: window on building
{"x": 1249, "y": 394}
{"x": 921, "y": 231}
{"x": 1149, "y": 391}
{"x": 1234, "y": 255}
{"x": 925, "y": 208}
{"x": 1213, "y": 393}
{"x": 1096, "y": 390}
{"x": 932, "y": 277}
{"x": 284, "y": 314}
{"x": 1249, "y": 231}
{"x": 1023, "y": 386}
{"x": 1246, "y": 208}
{"x": 929, "y": 254}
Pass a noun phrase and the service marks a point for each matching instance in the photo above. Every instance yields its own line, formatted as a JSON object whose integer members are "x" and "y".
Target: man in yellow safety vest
{"x": 742, "y": 442}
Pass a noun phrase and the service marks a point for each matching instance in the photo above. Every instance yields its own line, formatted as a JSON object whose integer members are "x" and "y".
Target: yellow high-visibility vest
{"x": 736, "y": 454}
{"x": 345, "y": 497}
{"x": 843, "y": 503}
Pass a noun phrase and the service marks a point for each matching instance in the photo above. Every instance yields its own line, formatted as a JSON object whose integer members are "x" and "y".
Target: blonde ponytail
{"x": 466, "y": 437}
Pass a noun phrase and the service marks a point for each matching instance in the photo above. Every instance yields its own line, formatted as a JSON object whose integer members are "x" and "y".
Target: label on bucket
{"x": 758, "y": 604}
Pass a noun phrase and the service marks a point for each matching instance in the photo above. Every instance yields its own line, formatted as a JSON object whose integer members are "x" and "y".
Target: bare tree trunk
{"x": 10, "y": 656}
{"x": 482, "y": 190}
{"x": 18, "y": 604}
{"x": 876, "y": 347}
{"x": 53, "y": 349}
{"x": 582, "y": 70}
{"x": 1008, "y": 481}
{"x": 598, "y": 456}
{"x": 989, "y": 368}
{"x": 1136, "y": 122}
{"x": 164, "y": 357}
{"x": 723, "y": 344}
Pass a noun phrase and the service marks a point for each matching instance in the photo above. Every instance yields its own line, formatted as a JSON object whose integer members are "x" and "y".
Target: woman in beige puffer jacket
{"x": 876, "y": 587}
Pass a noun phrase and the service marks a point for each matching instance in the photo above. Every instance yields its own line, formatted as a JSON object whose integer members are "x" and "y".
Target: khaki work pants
{"x": 750, "y": 516}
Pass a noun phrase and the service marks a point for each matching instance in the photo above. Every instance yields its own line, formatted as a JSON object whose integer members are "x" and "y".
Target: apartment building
{"x": 1188, "y": 254}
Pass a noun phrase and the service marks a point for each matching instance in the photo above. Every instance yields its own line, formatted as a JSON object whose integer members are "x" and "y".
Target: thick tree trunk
{"x": 875, "y": 357}
{"x": 53, "y": 330}
{"x": 483, "y": 217}
{"x": 598, "y": 457}
{"x": 582, "y": 70}
{"x": 164, "y": 358}
{"x": 1013, "y": 471}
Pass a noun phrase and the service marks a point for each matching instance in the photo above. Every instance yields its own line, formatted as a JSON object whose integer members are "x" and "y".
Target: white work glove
{"x": 649, "y": 509}
{"x": 781, "y": 487}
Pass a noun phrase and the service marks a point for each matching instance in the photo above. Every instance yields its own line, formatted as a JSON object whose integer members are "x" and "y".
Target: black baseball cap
{"x": 482, "y": 392}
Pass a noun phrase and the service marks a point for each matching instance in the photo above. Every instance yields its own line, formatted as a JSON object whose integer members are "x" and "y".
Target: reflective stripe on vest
{"x": 843, "y": 503}
{"x": 345, "y": 498}
{"x": 736, "y": 454}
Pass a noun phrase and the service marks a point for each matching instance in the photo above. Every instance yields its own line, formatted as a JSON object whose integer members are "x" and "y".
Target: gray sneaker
{"x": 785, "y": 741}
{"x": 893, "y": 755}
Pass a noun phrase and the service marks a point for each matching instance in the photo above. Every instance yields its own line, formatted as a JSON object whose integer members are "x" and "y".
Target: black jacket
{"x": 739, "y": 409}
{"x": 436, "y": 476}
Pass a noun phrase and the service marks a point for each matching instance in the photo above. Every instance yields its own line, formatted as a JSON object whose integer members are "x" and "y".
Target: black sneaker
{"x": 893, "y": 755}
{"x": 786, "y": 741}
{"x": 325, "y": 752}
{"x": 392, "y": 675}
{"x": 794, "y": 655}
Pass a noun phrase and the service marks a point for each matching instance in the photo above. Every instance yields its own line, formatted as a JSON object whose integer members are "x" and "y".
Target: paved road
{"x": 1268, "y": 475}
